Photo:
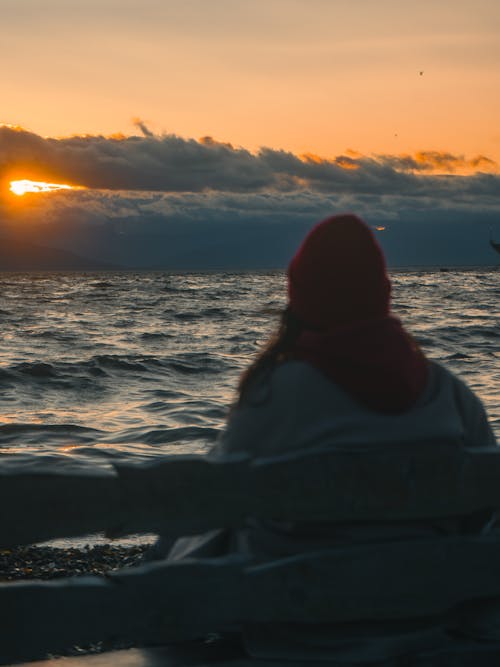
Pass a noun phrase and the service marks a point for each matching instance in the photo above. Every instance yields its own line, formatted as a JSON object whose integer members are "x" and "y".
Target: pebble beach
{"x": 40, "y": 562}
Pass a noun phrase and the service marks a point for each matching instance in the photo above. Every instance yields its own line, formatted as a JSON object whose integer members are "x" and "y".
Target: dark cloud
{"x": 168, "y": 202}
{"x": 246, "y": 230}
{"x": 169, "y": 163}
{"x": 166, "y": 163}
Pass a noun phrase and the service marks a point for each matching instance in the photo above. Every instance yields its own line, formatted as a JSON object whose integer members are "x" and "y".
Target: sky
{"x": 206, "y": 134}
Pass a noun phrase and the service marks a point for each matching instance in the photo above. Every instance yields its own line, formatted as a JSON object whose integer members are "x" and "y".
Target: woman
{"x": 342, "y": 369}
{"x": 341, "y": 372}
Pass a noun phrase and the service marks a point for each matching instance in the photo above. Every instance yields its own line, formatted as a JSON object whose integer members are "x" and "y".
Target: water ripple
{"x": 106, "y": 365}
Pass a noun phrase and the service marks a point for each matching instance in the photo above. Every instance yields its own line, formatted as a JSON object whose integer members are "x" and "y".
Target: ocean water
{"x": 113, "y": 365}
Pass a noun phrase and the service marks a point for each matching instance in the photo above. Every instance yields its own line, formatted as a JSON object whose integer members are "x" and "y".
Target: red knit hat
{"x": 338, "y": 275}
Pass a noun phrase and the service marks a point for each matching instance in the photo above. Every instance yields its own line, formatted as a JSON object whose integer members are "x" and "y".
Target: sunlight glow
{"x": 24, "y": 186}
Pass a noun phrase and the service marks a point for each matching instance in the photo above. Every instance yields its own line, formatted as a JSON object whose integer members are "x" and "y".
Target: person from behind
{"x": 342, "y": 369}
{"x": 340, "y": 372}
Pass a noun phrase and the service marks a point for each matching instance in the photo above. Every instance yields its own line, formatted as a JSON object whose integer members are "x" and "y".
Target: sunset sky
{"x": 249, "y": 111}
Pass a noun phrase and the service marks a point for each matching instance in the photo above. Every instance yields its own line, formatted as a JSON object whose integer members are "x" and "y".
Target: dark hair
{"x": 277, "y": 350}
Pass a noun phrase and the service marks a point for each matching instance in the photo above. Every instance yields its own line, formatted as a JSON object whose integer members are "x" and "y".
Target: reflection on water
{"x": 105, "y": 365}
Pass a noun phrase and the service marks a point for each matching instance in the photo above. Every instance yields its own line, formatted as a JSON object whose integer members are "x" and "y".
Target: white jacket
{"x": 298, "y": 407}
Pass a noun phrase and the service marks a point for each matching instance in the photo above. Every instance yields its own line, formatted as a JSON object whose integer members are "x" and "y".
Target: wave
{"x": 156, "y": 335}
{"x": 201, "y": 314}
{"x": 92, "y": 372}
{"x": 38, "y": 433}
{"x": 123, "y": 362}
{"x": 162, "y": 435}
{"x": 38, "y": 369}
{"x": 149, "y": 362}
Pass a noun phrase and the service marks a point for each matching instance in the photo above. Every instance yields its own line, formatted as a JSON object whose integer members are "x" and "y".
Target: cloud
{"x": 164, "y": 201}
{"x": 431, "y": 161}
{"x": 141, "y": 125}
{"x": 168, "y": 163}
{"x": 247, "y": 230}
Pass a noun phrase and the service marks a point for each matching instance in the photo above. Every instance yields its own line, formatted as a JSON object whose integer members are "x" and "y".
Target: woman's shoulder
{"x": 467, "y": 404}
{"x": 300, "y": 379}
{"x": 291, "y": 369}
{"x": 442, "y": 378}
{"x": 279, "y": 383}
{"x": 299, "y": 370}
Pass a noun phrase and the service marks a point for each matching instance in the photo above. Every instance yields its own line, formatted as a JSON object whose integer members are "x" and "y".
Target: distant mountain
{"x": 23, "y": 256}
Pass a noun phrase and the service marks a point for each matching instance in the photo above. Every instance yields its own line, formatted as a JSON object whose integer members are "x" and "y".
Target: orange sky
{"x": 320, "y": 76}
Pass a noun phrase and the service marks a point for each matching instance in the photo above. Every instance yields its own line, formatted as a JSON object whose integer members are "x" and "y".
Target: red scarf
{"x": 375, "y": 361}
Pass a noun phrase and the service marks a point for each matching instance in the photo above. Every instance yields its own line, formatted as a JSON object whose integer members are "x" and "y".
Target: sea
{"x": 107, "y": 367}
{"x": 113, "y": 366}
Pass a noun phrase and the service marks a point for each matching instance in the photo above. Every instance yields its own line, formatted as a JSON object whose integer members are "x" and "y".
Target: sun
{"x": 26, "y": 186}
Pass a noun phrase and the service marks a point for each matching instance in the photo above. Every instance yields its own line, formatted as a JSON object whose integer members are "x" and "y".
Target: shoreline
{"x": 47, "y": 562}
